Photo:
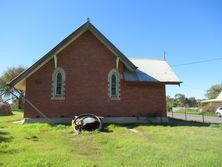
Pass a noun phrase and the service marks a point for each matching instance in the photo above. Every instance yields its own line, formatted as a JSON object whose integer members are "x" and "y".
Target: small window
{"x": 58, "y": 84}
{"x": 114, "y": 85}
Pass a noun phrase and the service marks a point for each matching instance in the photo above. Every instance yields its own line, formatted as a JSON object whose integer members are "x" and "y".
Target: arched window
{"x": 58, "y": 84}
{"x": 114, "y": 85}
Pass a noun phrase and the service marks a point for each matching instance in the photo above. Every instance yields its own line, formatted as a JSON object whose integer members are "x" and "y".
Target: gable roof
{"x": 152, "y": 70}
{"x": 64, "y": 43}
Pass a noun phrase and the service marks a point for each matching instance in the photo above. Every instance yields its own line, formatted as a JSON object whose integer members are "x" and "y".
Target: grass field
{"x": 179, "y": 144}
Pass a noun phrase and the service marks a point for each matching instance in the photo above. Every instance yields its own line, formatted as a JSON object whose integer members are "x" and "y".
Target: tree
{"x": 180, "y": 99}
{"x": 192, "y": 102}
{"x": 213, "y": 91}
{"x": 10, "y": 74}
{"x": 170, "y": 103}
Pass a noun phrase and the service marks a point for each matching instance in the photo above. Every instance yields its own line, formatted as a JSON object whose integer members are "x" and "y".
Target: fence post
{"x": 203, "y": 116}
{"x": 185, "y": 114}
{"x": 172, "y": 113}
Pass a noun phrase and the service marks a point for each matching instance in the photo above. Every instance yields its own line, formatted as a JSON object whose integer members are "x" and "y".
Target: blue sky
{"x": 188, "y": 31}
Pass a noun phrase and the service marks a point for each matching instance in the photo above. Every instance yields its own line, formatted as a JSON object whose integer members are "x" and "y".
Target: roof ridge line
{"x": 147, "y": 59}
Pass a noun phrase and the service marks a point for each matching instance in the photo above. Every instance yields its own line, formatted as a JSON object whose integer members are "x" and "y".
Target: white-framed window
{"x": 58, "y": 84}
{"x": 114, "y": 85}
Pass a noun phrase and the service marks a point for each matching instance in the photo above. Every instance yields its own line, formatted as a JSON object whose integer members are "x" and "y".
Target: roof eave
{"x": 47, "y": 56}
{"x": 173, "y": 82}
{"x": 156, "y": 82}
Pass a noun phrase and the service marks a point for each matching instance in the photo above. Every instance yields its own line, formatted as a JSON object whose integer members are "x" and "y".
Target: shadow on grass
{"x": 6, "y": 115}
{"x": 172, "y": 122}
{"x": 33, "y": 138}
{"x": 105, "y": 129}
{"x": 180, "y": 122}
{"x": 4, "y": 137}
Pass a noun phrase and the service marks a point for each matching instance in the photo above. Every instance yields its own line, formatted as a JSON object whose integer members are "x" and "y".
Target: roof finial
{"x": 88, "y": 20}
{"x": 164, "y": 55}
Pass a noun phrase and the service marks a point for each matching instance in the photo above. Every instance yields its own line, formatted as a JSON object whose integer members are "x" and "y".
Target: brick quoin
{"x": 87, "y": 62}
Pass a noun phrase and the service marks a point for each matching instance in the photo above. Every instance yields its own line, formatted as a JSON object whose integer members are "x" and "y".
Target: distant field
{"x": 178, "y": 144}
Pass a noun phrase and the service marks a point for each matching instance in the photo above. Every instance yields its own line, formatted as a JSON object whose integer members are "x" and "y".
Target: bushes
{"x": 210, "y": 107}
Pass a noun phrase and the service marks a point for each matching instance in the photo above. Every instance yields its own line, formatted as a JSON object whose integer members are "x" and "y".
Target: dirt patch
{"x": 135, "y": 131}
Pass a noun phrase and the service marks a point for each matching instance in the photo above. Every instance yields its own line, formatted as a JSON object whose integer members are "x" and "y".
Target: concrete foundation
{"x": 118, "y": 120}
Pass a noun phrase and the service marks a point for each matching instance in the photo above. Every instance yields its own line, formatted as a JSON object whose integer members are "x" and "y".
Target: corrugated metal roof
{"x": 211, "y": 100}
{"x": 219, "y": 96}
{"x": 218, "y": 99}
{"x": 151, "y": 70}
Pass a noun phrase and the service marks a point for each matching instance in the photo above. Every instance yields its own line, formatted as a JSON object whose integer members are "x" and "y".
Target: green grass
{"x": 176, "y": 144}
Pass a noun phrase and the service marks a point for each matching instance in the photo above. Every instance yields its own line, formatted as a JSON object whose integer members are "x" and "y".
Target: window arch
{"x": 58, "y": 84}
{"x": 114, "y": 84}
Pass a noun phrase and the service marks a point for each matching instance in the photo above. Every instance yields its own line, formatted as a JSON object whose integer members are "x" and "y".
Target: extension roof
{"x": 152, "y": 70}
{"x": 218, "y": 99}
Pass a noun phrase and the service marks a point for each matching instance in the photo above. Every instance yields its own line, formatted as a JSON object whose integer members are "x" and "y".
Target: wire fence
{"x": 186, "y": 115}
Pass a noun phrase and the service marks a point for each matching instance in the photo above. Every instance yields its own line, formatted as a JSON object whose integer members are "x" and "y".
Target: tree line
{"x": 180, "y": 100}
{"x": 5, "y": 92}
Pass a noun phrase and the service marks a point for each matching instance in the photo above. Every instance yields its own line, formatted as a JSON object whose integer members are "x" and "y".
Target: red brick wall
{"x": 87, "y": 63}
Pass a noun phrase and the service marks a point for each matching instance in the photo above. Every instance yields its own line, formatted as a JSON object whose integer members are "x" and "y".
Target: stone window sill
{"x": 114, "y": 98}
{"x": 58, "y": 98}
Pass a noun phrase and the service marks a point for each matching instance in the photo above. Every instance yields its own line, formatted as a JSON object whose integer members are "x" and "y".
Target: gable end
{"x": 63, "y": 44}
